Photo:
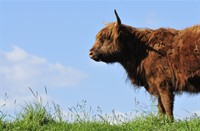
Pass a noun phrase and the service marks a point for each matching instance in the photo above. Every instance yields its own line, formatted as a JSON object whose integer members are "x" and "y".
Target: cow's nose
{"x": 91, "y": 54}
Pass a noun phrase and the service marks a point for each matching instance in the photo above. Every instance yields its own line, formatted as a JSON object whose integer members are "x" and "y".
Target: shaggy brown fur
{"x": 165, "y": 61}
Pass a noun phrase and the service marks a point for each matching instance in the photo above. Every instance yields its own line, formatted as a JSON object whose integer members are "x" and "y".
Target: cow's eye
{"x": 102, "y": 41}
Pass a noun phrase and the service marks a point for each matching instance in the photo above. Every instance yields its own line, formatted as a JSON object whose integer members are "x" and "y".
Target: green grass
{"x": 37, "y": 116}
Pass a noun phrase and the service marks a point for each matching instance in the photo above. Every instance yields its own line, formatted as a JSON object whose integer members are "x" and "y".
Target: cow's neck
{"x": 135, "y": 71}
{"x": 132, "y": 63}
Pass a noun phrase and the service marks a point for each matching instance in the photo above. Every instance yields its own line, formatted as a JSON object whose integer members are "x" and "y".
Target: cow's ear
{"x": 118, "y": 19}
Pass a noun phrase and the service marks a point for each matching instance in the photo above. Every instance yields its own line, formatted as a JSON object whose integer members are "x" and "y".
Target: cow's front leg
{"x": 161, "y": 109}
{"x": 167, "y": 100}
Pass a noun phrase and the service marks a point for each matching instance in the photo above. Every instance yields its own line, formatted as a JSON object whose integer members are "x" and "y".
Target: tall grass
{"x": 39, "y": 115}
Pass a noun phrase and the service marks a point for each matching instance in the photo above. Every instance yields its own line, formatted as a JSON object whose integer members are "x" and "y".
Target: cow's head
{"x": 110, "y": 44}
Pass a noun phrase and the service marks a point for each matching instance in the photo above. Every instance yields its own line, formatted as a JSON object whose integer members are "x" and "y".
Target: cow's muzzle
{"x": 94, "y": 55}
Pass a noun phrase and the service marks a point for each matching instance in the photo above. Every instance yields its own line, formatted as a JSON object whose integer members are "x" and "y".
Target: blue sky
{"x": 46, "y": 43}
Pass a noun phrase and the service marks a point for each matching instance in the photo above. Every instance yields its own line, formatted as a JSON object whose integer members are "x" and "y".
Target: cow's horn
{"x": 118, "y": 19}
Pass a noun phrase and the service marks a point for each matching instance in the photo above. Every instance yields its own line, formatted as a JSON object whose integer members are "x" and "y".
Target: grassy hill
{"x": 37, "y": 116}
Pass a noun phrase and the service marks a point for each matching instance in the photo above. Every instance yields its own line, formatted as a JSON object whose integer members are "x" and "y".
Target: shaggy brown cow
{"x": 165, "y": 61}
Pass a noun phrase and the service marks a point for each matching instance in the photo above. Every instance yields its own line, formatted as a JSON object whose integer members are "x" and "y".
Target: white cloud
{"x": 20, "y": 70}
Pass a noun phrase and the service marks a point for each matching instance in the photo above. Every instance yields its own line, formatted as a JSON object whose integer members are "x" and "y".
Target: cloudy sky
{"x": 46, "y": 43}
